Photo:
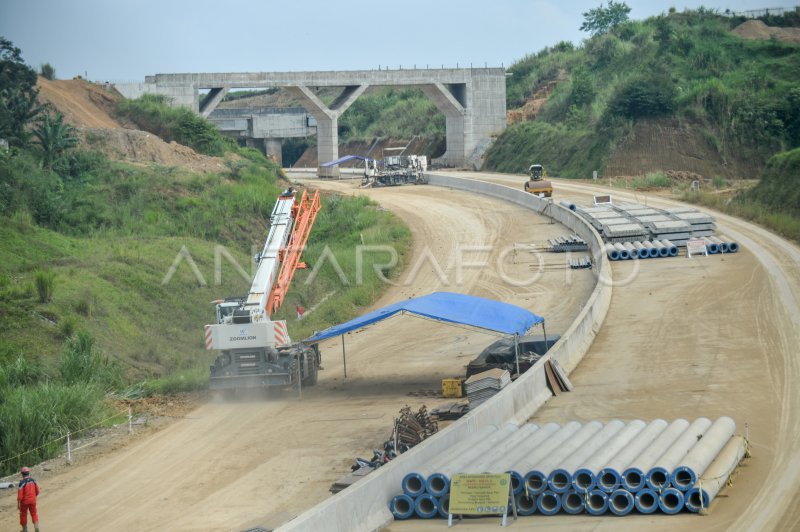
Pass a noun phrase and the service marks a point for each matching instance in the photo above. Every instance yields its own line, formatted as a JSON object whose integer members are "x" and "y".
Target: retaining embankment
{"x": 365, "y": 505}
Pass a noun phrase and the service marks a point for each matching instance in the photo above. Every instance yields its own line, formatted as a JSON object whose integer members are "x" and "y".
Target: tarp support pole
{"x": 344, "y": 358}
{"x": 516, "y": 350}
{"x": 544, "y": 330}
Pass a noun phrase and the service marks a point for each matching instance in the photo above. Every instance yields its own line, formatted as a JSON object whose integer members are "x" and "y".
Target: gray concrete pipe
{"x": 438, "y": 482}
{"x": 611, "y": 252}
{"x": 610, "y": 476}
{"x": 711, "y": 246}
{"x": 717, "y": 475}
{"x": 560, "y": 479}
{"x": 633, "y": 478}
{"x": 663, "y": 251}
{"x": 725, "y": 246}
{"x": 673, "y": 249}
{"x": 624, "y": 254}
{"x": 568, "y": 205}
{"x": 585, "y": 476}
{"x": 651, "y": 249}
{"x": 413, "y": 483}
{"x": 486, "y": 463}
{"x": 530, "y": 461}
{"x": 507, "y": 462}
{"x": 537, "y": 479}
{"x": 632, "y": 251}
{"x": 658, "y": 478}
{"x": 694, "y": 464}
{"x": 643, "y": 252}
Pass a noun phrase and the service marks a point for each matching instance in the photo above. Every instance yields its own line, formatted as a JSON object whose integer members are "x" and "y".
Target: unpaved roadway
{"x": 226, "y": 466}
{"x": 708, "y": 336}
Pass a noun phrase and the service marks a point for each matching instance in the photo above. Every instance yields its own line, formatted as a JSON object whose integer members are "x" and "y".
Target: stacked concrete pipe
{"x": 717, "y": 475}
{"x": 658, "y": 478}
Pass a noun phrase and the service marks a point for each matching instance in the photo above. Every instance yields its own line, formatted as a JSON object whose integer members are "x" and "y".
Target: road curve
{"x": 228, "y": 465}
{"x": 707, "y": 336}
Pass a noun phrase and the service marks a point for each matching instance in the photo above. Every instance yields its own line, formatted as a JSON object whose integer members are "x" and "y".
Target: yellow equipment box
{"x": 453, "y": 387}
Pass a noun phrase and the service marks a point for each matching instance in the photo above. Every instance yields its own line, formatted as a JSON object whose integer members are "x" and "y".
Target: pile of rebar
{"x": 411, "y": 428}
{"x": 591, "y": 468}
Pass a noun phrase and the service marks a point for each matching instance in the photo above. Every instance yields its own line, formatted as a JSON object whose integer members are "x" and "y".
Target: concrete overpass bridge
{"x": 473, "y": 101}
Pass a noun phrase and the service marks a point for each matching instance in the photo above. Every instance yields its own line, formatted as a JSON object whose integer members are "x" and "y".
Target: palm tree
{"x": 54, "y": 136}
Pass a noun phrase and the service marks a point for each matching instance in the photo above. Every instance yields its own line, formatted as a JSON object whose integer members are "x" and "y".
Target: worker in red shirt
{"x": 300, "y": 312}
{"x": 27, "y": 491}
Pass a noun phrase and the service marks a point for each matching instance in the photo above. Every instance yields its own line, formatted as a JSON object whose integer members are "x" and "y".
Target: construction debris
{"x": 450, "y": 411}
{"x": 411, "y": 428}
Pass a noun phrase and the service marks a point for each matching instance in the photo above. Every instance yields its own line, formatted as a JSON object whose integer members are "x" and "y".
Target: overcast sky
{"x": 124, "y": 40}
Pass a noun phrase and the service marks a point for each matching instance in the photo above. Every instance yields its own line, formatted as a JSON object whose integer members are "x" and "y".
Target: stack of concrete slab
{"x": 676, "y": 231}
{"x": 624, "y": 232}
{"x": 702, "y": 223}
{"x": 483, "y": 386}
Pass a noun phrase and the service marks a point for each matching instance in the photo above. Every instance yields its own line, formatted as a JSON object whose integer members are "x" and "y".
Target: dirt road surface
{"x": 226, "y": 466}
{"x": 696, "y": 337}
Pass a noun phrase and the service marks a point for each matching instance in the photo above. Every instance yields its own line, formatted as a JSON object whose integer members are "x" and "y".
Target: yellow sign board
{"x": 484, "y": 494}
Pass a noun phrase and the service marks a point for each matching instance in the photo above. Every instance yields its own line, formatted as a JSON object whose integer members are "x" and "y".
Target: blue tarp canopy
{"x": 448, "y": 307}
{"x": 344, "y": 160}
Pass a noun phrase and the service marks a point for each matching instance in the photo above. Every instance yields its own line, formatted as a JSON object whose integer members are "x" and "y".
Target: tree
{"x": 601, "y": 19}
{"x": 47, "y": 71}
{"x": 17, "y": 94}
{"x": 55, "y": 137}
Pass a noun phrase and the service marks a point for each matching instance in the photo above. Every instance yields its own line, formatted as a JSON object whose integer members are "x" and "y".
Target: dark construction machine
{"x": 537, "y": 184}
{"x": 256, "y": 352}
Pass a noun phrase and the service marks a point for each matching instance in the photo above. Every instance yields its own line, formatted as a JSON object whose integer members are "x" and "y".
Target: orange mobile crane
{"x": 257, "y": 352}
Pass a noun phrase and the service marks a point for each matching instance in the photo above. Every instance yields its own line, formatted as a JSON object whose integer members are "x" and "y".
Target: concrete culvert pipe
{"x": 438, "y": 483}
{"x": 646, "y": 501}
{"x": 508, "y": 462}
{"x": 561, "y": 479}
{"x": 540, "y": 477}
{"x": 444, "y": 505}
{"x": 623, "y": 253}
{"x": 632, "y": 251}
{"x": 733, "y": 247}
{"x": 694, "y": 464}
{"x": 413, "y": 484}
{"x": 548, "y": 503}
{"x": 490, "y": 461}
{"x": 673, "y": 249}
{"x": 642, "y": 251}
{"x": 526, "y": 505}
{"x": 658, "y": 478}
{"x": 402, "y": 506}
{"x": 569, "y": 205}
{"x": 596, "y": 502}
{"x": 612, "y": 252}
{"x": 634, "y": 476}
{"x": 621, "y": 502}
{"x": 426, "y": 506}
{"x": 651, "y": 249}
{"x": 717, "y": 475}
{"x": 711, "y": 247}
{"x": 584, "y": 479}
{"x": 529, "y": 462}
{"x": 663, "y": 251}
{"x": 610, "y": 477}
{"x": 572, "y": 502}
{"x": 671, "y": 501}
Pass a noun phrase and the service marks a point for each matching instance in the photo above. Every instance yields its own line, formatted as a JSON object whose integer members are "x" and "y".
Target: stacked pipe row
{"x": 716, "y": 245}
{"x": 641, "y": 250}
{"x": 591, "y": 468}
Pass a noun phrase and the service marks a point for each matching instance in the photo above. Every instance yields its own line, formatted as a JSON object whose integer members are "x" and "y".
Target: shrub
{"x": 45, "y": 282}
{"x": 47, "y": 71}
{"x": 644, "y": 97}
{"x": 67, "y": 326}
{"x": 82, "y": 363}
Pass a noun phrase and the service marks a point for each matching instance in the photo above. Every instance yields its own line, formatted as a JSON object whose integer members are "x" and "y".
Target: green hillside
{"x": 109, "y": 268}
{"x": 742, "y": 95}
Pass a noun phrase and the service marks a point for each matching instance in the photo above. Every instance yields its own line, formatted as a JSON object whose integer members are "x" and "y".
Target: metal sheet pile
{"x": 587, "y": 468}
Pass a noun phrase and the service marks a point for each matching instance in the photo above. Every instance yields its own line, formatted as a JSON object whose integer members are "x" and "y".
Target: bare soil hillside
{"x": 755, "y": 29}
{"x": 670, "y": 145}
{"x": 90, "y": 108}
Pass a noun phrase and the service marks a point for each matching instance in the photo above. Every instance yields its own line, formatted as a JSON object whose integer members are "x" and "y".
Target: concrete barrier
{"x": 365, "y": 505}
